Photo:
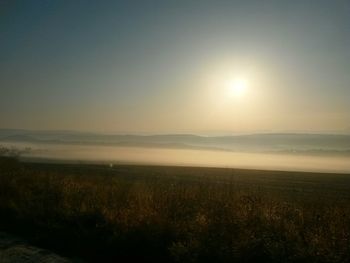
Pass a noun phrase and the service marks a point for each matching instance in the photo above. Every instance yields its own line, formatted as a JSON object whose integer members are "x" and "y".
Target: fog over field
{"x": 300, "y": 152}
{"x": 175, "y": 131}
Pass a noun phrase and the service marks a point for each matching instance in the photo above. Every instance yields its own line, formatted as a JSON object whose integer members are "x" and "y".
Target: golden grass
{"x": 176, "y": 214}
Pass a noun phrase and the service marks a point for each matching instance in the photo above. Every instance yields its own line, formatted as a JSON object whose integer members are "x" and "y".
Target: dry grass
{"x": 177, "y": 214}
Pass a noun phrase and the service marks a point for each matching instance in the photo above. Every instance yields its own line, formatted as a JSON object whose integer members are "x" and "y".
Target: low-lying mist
{"x": 185, "y": 157}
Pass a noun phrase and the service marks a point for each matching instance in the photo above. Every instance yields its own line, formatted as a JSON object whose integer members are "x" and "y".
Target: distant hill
{"x": 269, "y": 142}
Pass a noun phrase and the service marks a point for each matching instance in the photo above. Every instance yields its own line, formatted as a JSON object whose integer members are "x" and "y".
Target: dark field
{"x": 177, "y": 214}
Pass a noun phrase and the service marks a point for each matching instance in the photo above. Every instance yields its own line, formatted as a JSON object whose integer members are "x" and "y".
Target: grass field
{"x": 177, "y": 214}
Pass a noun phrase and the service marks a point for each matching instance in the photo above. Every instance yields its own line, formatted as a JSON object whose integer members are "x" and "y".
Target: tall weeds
{"x": 148, "y": 215}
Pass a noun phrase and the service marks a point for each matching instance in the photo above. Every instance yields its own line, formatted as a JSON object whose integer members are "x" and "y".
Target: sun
{"x": 238, "y": 87}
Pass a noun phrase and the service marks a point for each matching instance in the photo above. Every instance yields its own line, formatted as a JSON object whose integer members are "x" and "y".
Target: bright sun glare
{"x": 238, "y": 87}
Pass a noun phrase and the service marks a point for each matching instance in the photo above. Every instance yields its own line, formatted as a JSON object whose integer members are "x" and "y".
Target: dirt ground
{"x": 16, "y": 250}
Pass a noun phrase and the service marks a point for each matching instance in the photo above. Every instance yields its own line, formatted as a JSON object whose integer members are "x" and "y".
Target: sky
{"x": 173, "y": 66}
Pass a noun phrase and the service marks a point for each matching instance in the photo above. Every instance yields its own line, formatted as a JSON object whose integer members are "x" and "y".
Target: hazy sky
{"x": 169, "y": 66}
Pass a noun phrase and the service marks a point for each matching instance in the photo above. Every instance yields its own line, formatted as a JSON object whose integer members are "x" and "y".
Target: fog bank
{"x": 185, "y": 157}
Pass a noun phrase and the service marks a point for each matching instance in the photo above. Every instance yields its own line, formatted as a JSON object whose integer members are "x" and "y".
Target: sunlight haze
{"x": 164, "y": 68}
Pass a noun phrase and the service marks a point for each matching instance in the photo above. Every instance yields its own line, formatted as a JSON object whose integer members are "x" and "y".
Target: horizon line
{"x": 199, "y": 134}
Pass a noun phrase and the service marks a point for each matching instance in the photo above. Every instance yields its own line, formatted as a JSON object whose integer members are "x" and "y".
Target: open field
{"x": 177, "y": 214}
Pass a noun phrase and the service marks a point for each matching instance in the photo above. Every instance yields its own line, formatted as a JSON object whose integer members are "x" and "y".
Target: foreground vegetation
{"x": 177, "y": 214}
